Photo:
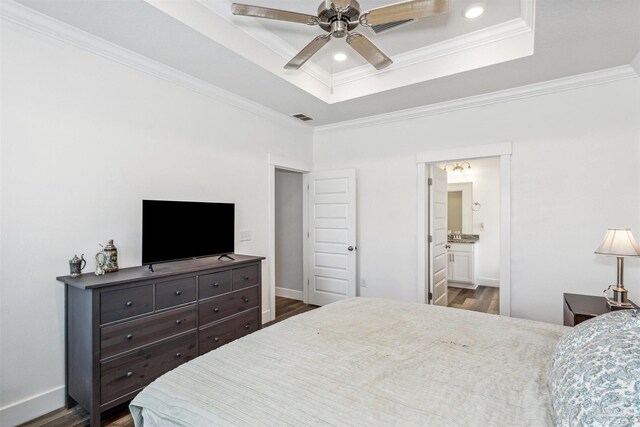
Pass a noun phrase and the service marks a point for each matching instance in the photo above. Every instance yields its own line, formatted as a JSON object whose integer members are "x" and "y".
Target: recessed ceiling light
{"x": 340, "y": 56}
{"x": 473, "y": 11}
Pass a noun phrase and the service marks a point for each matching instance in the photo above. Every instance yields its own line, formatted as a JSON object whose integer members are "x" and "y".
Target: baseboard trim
{"x": 289, "y": 293}
{"x": 462, "y": 285}
{"x": 266, "y": 316}
{"x": 492, "y": 283}
{"x": 32, "y": 407}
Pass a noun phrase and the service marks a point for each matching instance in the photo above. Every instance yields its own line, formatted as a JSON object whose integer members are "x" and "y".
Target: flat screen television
{"x": 174, "y": 231}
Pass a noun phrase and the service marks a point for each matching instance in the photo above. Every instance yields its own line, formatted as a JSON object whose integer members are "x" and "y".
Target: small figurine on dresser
{"x": 76, "y": 265}
{"x": 107, "y": 259}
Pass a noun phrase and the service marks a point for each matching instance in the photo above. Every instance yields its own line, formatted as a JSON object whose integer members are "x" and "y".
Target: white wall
{"x": 84, "y": 140}
{"x": 484, "y": 176}
{"x": 288, "y": 237}
{"x": 575, "y": 171}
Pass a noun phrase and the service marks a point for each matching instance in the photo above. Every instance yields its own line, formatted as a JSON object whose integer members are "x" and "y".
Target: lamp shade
{"x": 619, "y": 242}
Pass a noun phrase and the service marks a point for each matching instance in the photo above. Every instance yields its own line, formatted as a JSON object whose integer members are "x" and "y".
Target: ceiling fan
{"x": 340, "y": 17}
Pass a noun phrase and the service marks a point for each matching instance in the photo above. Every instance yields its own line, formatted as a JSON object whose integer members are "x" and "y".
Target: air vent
{"x": 390, "y": 26}
{"x": 302, "y": 117}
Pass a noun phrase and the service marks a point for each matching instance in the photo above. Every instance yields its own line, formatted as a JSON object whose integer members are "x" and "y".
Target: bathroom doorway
{"x": 473, "y": 234}
{"x": 469, "y": 246}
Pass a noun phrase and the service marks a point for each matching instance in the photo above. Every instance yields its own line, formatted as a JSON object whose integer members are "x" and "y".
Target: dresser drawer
{"x": 244, "y": 277}
{"x": 129, "y": 373}
{"x": 223, "y": 306}
{"x": 210, "y": 285}
{"x": 127, "y": 336}
{"x": 116, "y": 305}
{"x": 175, "y": 292}
{"x": 222, "y": 333}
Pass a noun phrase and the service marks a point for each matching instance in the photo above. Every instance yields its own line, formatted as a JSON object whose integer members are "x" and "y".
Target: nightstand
{"x": 578, "y": 308}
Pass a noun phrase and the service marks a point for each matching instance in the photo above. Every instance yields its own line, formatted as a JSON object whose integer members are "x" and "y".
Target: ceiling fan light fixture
{"x": 340, "y": 56}
{"x": 474, "y": 11}
{"x": 340, "y": 17}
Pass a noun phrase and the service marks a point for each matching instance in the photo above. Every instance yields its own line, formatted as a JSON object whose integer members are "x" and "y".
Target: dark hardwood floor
{"x": 286, "y": 308}
{"x": 120, "y": 416}
{"x": 484, "y": 299}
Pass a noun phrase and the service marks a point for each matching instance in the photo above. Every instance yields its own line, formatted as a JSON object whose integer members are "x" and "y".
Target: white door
{"x": 438, "y": 257}
{"x": 332, "y": 236}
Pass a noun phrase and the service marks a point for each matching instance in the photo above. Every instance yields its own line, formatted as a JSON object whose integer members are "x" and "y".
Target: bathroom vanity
{"x": 461, "y": 263}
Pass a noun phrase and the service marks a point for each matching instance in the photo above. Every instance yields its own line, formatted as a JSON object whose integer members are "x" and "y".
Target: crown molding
{"x": 537, "y": 89}
{"x": 26, "y": 18}
{"x": 461, "y": 43}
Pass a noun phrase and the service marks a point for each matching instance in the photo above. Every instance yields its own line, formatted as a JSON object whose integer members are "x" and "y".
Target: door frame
{"x": 424, "y": 158}
{"x": 284, "y": 163}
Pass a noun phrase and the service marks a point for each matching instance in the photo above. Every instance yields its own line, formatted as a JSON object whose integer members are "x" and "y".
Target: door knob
{"x": 350, "y": 248}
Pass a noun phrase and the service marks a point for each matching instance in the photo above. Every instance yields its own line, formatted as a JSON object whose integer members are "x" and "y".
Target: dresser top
{"x": 167, "y": 269}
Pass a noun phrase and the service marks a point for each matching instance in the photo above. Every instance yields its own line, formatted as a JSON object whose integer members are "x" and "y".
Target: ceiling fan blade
{"x": 369, "y": 51}
{"x": 307, "y": 52}
{"x": 277, "y": 14}
{"x": 414, "y": 9}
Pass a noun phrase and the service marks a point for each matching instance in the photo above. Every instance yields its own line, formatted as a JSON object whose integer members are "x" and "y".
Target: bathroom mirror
{"x": 459, "y": 207}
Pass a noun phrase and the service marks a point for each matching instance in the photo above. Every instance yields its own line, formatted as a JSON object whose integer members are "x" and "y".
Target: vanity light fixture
{"x": 474, "y": 11}
{"x": 458, "y": 168}
{"x": 340, "y": 56}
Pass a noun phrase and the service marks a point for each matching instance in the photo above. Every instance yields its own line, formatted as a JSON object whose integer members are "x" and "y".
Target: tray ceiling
{"x": 424, "y": 50}
{"x": 572, "y": 37}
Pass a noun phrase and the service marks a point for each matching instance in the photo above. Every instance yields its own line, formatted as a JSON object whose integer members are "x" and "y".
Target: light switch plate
{"x": 245, "y": 235}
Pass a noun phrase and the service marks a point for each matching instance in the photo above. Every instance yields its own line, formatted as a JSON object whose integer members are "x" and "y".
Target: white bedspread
{"x": 364, "y": 362}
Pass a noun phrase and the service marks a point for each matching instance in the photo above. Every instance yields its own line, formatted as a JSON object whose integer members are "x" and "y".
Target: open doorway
{"x": 433, "y": 257}
{"x": 473, "y": 234}
{"x": 289, "y": 238}
{"x": 324, "y": 204}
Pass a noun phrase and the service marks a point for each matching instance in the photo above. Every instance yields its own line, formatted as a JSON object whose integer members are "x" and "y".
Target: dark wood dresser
{"x": 578, "y": 308}
{"x": 125, "y": 329}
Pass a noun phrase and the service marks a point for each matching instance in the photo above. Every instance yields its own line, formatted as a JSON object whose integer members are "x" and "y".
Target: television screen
{"x": 183, "y": 230}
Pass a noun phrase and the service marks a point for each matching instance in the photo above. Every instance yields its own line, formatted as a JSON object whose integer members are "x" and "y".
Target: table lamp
{"x": 619, "y": 242}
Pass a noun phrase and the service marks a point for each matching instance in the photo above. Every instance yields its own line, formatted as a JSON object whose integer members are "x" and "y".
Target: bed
{"x": 364, "y": 362}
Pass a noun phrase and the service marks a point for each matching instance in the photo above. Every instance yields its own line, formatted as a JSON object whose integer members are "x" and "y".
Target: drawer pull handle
{"x": 178, "y": 292}
{"x": 129, "y": 336}
{"x": 178, "y": 355}
{"x": 129, "y": 303}
{"x": 246, "y": 277}
{"x": 129, "y": 374}
{"x": 215, "y": 285}
{"x": 215, "y": 310}
{"x": 178, "y": 321}
{"x": 216, "y": 339}
{"x": 245, "y": 299}
{"x": 246, "y": 326}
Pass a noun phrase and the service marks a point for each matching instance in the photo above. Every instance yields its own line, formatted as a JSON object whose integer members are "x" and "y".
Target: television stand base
{"x": 151, "y": 270}
{"x": 226, "y": 256}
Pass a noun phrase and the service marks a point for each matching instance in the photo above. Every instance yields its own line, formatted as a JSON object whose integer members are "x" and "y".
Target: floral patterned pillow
{"x": 595, "y": 372}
